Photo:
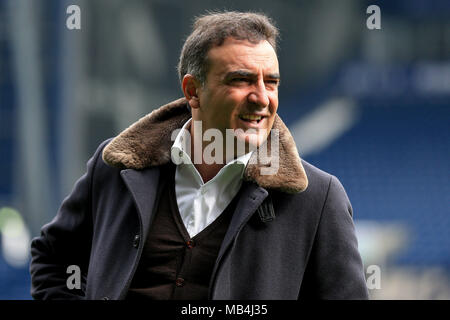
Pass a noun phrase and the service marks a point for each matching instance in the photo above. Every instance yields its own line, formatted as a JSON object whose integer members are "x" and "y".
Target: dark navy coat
{"x": 291, "y": 235}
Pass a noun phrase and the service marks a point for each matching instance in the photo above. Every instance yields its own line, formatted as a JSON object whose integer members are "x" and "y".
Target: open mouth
{"x": 251, "y": 118}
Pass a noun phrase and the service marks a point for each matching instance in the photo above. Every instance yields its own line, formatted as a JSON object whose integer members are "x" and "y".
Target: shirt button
{"x": 190, "y": 244}
{"x": 179, "y": 282}
{"x": 180, "y": 154}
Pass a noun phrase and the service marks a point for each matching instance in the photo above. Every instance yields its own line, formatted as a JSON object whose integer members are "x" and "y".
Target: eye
{"x": 274, "y": 82}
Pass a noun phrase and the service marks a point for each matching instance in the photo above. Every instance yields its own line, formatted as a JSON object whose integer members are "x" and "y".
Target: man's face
{"x": 241, "y": 90}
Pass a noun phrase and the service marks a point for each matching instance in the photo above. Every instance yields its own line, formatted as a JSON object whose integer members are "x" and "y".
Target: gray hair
{"x": 213, "y": 28}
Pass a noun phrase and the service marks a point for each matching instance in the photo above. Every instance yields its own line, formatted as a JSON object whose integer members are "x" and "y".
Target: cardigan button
{"x": 190, "y": 244}
{"x": 179, "y": 282}
{"x": 136, "y": 240}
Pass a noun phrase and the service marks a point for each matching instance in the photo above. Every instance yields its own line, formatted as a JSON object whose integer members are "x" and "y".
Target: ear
{"x": 191, "y": 86}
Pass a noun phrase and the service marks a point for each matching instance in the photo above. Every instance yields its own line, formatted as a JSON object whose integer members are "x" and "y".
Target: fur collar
{"x": 147, "y": 143}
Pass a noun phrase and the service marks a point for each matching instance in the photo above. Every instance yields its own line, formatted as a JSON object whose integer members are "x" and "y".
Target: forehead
{"x": 242, "y": 55}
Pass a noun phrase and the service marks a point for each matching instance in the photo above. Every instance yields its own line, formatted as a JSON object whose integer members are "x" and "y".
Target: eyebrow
{"x": 243, "y": 73}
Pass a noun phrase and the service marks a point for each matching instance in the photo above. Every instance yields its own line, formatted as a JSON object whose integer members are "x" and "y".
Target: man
{"x": 155, "y": 218}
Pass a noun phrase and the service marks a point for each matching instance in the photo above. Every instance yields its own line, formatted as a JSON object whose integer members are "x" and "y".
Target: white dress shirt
{"x": 201, "y": 203}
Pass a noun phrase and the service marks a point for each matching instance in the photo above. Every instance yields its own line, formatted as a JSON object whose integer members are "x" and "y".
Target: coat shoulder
{"x": 322, "y": 186}
{"x": 317, "y": 178}
{"x": 103, "y": 171}
{"x": 98, "y": 154}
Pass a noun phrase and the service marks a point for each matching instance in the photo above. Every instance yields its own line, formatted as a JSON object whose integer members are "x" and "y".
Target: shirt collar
{"x": 181, "y": 144}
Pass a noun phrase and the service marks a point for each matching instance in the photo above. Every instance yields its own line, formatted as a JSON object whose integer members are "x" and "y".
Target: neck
{"x": 207, "y": 171}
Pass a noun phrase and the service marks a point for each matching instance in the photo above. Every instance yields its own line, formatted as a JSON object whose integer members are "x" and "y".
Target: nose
{"x": 258, "y": 95}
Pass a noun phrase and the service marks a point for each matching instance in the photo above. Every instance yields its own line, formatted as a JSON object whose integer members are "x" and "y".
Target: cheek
{"x": 225, "y": 101}
{"x": 273, "y": 108}
{"x": 273, "y": 102}
{"x": 231, "y": 106}
{"x": 224, "y": 115}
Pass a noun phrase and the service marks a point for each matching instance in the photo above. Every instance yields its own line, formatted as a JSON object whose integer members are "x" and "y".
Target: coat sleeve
{"x": 65, "y": 241}
{"x": 335, "y": 270}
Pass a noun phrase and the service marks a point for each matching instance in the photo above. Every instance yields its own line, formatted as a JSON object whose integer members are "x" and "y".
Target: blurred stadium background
{"x": 369, "y": 106}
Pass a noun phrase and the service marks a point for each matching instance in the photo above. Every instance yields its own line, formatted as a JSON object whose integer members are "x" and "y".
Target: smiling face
{"x": 240, "y": 91}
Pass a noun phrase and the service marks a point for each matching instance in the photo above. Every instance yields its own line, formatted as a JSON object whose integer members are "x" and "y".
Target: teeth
{"x": 251, "y": 117}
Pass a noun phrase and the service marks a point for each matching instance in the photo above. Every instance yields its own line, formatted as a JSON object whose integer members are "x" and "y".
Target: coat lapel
{"x": 143, "y": 185}
{"x": 250, "y": 198}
